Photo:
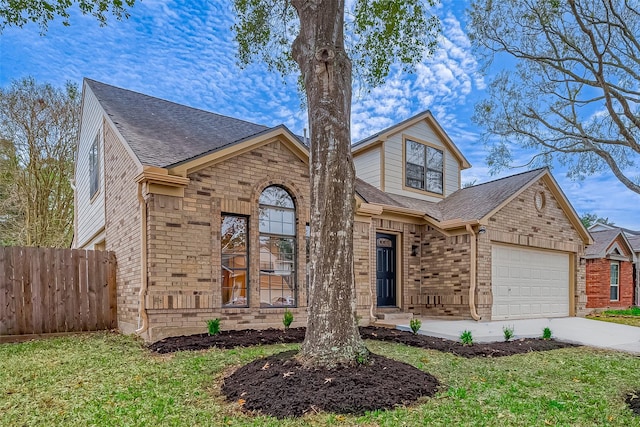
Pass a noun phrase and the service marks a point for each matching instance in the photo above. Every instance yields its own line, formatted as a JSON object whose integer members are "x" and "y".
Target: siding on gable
{"x": 368, "y": 167}
{"x": 90, "y": 213}
{"x": 394, "y": 163}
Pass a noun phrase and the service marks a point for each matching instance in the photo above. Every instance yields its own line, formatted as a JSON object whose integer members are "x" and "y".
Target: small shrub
{"x": 287, "y": 319}
{"x": 546, "y": 333}
{"x": 213, "y": 326}
{"x": 466, "y": 338}
{"x": 415, "y": 325}
{"x": 508, "y": 332}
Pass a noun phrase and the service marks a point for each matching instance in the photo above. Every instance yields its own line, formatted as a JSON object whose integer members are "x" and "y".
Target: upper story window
{"x": 94, "y": 167}
{"x": 277, "y": 248}
{"x": 424, "y": 167}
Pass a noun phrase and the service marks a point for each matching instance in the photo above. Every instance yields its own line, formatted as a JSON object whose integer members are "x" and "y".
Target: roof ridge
{"x": 173, "y": 102}
{"x": 508, "y": 177}
{"x": 381, "y": 131}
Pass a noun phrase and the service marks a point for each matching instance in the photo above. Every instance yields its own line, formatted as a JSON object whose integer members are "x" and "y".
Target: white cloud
{"x": 184, "y": 52}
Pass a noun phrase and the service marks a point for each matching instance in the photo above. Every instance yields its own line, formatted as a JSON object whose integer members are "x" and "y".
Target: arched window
{"x": 277, "y": 248}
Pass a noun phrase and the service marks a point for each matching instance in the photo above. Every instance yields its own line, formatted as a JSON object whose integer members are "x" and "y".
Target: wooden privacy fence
{"x": 47, "y": 290}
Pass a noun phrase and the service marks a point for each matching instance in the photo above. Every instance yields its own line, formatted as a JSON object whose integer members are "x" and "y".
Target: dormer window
{"x": 424, "y": 167}
{"x": 94, "y": 167}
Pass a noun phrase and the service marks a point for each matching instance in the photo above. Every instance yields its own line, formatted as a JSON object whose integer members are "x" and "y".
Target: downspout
{"x": 142, "y": 313}
{"x": 473, "y": 273}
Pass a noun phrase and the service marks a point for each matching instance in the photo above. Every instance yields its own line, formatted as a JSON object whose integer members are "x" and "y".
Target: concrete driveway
{"x": 576, "y": 330}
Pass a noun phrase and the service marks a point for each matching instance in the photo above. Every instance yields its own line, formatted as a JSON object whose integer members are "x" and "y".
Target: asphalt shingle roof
{"x": 477, "y": 201}
{"x": 601, "y": 241}
{"x": 467, "y": 204}
{"x": 635, "y": 243}
{"x": 163, "y": 133}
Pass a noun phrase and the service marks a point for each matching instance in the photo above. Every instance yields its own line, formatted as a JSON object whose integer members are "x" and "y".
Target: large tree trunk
{"x": 332, "y": 336}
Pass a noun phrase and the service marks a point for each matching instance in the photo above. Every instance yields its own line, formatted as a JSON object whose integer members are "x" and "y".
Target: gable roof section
{"x": 399, "y": 127}
{"x": 479, "y": 201}
{"x": 604, "y": 244}
{"x": 162, "y": 133}
{"x": 474, "y": 204}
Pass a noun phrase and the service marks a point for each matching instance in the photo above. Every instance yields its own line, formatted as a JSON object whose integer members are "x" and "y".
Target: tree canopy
{"x": 588, "y": 219}
{"x": 41, "y": 12}
{"x": 573, "y": 95}
{"x": 38, "y": 133}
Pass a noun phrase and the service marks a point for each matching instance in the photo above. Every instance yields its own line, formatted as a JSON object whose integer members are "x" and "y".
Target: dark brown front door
{"x": 386, "y": 270}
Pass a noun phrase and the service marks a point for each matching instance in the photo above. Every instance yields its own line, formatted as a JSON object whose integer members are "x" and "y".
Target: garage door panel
{"x": 536, "y": 285}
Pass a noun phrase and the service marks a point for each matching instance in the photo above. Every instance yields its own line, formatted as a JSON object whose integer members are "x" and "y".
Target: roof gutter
{"x": 473, "y": 273}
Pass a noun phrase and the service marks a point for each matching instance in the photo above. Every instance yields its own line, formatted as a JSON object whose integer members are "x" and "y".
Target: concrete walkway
{"x": 576, "y": 330}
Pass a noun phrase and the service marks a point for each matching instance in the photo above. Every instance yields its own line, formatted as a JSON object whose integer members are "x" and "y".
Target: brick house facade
{"x": 187, "y": 212}
{"x": 610, "y": 281}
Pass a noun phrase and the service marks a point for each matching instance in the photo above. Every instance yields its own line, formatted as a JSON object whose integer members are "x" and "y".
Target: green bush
{"x": 466, "y": 338}
{"x": 213, "y": 325}
{"x": 287, "y": 319}
{"x": 546, "y": 333}
{"x": 508, "y": 332}
{"x": 415, "y": 325}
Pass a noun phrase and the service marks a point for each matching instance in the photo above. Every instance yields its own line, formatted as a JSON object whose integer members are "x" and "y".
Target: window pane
{"x": 415, "y": 176}
{"x": 415, "y": 153}
{"x": 614, "y": 293}
{"x": 94, "y": 167}
{"x": 434, "y": 159}
{"x": 234, "y": 254}
{"x": 434, "y": 181}
{"x": 614, "y": 274}
{"x": 276, "y": 196}
{"x": 277, "y": 271}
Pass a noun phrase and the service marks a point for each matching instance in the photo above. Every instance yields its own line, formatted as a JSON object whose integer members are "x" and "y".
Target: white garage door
{"x": 528, "y": 283}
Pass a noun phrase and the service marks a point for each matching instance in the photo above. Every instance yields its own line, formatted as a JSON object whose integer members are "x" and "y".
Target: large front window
{"x": 615, "y": 276}
{"x": 424, "y": 167}
{"x": 277, "y": 248}
{"x": 235, "y": 254}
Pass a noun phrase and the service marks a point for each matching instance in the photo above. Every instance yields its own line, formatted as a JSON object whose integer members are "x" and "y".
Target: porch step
{"x": 390, "y": 319}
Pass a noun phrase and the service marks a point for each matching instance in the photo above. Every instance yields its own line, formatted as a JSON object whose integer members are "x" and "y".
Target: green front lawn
{"x": 629, "y": 316}
{"x": 106, "y": 379}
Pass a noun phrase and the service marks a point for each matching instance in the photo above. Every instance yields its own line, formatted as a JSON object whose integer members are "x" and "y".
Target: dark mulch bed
{"x": 279, "y": 386}
{"x": 633, "y": 402}
{"x": 251, "y": 337}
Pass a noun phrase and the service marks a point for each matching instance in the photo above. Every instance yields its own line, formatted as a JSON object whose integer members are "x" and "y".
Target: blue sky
{"x": 183, "y": 51}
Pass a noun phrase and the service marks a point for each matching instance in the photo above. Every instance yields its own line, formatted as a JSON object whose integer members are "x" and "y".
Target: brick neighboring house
{"x": 633, "y": 236}
{"x": 635, "y": 245}
{"x": 610, "y": 270}
{"x": 208, "y": 218}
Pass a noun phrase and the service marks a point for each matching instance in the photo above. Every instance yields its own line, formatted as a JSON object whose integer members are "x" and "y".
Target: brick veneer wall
{"x": 184, "y": 243}
{"x": 407, "y": 247}
{"x": 122, "y": 227}
{"x": 599, "y": 280}
{"x": 363, "y": 230}
{"x": 445, "y": 275}
{"x": 520, "y": 223}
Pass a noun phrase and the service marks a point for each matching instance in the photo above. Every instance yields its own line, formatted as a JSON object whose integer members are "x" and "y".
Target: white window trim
{"x": 617, "y": 284}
